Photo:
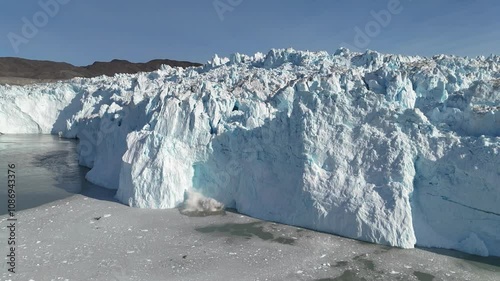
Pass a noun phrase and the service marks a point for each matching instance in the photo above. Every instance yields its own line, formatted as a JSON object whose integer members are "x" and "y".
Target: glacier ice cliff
{"x": 389, "y": 149}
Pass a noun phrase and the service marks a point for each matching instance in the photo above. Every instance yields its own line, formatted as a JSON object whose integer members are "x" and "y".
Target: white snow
{"x": 383, "y": 148}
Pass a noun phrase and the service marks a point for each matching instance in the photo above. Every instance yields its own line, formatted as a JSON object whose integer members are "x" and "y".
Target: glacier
{"x": 390, "y": 149}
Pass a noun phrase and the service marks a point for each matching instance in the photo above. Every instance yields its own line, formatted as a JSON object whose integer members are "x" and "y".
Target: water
{"x": 46, "y": 170}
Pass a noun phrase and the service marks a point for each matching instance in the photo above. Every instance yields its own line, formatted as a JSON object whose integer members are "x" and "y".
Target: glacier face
{"x": 383, "y": 148}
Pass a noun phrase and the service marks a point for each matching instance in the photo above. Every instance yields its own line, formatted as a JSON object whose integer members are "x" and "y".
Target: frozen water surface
{"x": 82, "y": 238}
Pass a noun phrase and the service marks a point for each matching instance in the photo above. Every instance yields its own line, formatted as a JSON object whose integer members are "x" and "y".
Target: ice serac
{"x": 389, "y": 149}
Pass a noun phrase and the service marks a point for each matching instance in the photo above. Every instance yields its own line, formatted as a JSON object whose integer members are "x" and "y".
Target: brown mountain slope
{"x": 20, "y": 71}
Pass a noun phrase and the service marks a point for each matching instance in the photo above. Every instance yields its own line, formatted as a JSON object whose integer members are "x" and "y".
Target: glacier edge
{"x": 389, "y": 149}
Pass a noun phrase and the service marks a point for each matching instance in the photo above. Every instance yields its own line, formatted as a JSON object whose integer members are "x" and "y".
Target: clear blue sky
{"x": 83, "y": 31}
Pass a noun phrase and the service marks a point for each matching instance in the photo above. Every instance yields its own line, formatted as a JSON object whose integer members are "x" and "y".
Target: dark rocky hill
{"x": 20, "y": 71}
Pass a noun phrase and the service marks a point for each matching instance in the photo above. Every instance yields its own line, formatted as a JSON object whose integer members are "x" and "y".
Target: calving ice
{"x": 389, "y": 149}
